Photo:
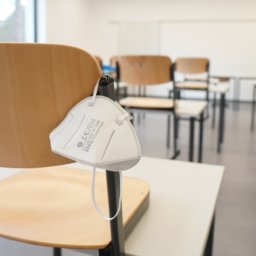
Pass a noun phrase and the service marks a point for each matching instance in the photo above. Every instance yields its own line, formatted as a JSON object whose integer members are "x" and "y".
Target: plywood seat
{"x": 147, "y": 103}
{"x": 193, "y": 86}
{"x": 190, "y": 108}
{"x": 53, "y": 207}
{"x": 182, "y": 107}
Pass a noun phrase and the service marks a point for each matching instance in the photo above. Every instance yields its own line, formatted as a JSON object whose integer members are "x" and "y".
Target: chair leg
{"x": 221, "y": 123}
{"x": 174, "y": 134}
{"x": 168, "y": 131}
{"x": 214, "y": 110}
{"x": 201, "y": 133}
{"x": 223, "y": 98}
{"x": 56, "y": 251}
{"x": 175, "y": 148}
{"x": 253, "y": 108}
{"x": 191, "y": 139}
{"x": 177, "y": 123}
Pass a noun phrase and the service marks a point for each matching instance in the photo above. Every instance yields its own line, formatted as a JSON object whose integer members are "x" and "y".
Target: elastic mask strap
{"x": 92, "y": 101}
{"x": 94, "y": 200}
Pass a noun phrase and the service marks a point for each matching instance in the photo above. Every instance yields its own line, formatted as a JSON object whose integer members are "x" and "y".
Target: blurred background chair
{"x": 191, "y": 74}
{"x": 99, "y": 60}
{"x": 141, "y": 71}
{"x": 147, "y": 70}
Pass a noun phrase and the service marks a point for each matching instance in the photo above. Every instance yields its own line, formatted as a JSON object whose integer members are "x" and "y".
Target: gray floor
{"x": 235, "y": 232}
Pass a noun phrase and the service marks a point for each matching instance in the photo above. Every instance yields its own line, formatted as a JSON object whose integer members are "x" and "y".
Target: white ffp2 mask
{"x": 97, "y": 132}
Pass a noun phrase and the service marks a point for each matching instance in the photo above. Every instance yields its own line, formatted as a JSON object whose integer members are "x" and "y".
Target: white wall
{"x": 67, "y": 22}
{"x": 224, "y": 30}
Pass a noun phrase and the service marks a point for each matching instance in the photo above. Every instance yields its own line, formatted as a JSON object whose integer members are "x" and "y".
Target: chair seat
{"x": 190, "y": 108}
{"x": 146, "y": 103}
{"x": 193, "y": 86}
{"x": 53, "y": 207}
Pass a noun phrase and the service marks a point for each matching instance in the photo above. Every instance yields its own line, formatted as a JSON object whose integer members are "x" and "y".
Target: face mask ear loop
{"x": 92, "y": 101}
{"x": 94, "y": 200}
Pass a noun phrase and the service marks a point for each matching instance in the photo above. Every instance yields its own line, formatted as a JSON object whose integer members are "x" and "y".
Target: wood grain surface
{"x": 39, "y": 84}
{"x": 53, "y": 207}
{"x": 191, "y": 65}
{"x": 143, "y": 69}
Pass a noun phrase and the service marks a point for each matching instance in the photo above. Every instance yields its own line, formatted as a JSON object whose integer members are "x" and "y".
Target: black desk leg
{"x": 221, "y": 122}
{"x": 56, "y": 251}
{"x": 191, "y": 139}
{"x": 253, "y": 108}
{"x": 209, "y": 244}
{"x": 201, "y": 134}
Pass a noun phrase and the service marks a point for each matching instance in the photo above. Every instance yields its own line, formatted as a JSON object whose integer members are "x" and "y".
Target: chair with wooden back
{"x": 142, "y": 71}
{"x": 146, "y": 70}
{"x": 45, "y": 205}
{"x": 194, "y": 75}
{"x": 99, "y": 60}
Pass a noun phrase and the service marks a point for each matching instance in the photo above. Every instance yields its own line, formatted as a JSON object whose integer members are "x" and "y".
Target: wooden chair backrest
{"x": 99, "y": 60}
{"x": 192, "y": 65}
{"x": 143, "y": 69}
{"x": 39, "y": 84}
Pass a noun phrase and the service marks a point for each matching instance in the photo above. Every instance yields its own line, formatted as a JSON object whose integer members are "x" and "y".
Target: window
{"x": 18, "y": 20}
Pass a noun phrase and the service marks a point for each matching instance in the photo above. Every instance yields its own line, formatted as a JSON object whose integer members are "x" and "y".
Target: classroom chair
{"x": 150, "y": 70}
{"x": 46, "y": 203}
{"x": 191, "y": 74}
{"x": 99, "y": 60}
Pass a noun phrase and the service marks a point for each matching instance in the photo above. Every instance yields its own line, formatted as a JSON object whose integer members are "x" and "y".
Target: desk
{"x": 237, "y": 83}
{"x": 182, "y": 204}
